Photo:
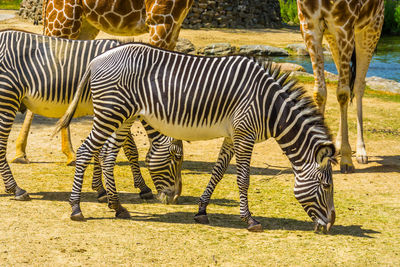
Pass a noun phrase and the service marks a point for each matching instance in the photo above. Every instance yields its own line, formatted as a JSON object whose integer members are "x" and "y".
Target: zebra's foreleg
{"x": 243, "y": 146}
{"x": 132, "y": 154}
{"x": 225, "y": 155}
{"x": 22, "y": 140}
{"x": 108, "y": 156}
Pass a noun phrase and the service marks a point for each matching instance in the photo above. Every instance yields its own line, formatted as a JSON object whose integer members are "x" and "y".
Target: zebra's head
{"x": 314, "y": 187}
{"x": 164, "y": 162}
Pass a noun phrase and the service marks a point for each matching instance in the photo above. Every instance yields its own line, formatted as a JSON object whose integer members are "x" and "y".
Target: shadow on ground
{"x": 233, "y": 221}
{"x": 216, "y": 219}
{"x": 125, "y": 198}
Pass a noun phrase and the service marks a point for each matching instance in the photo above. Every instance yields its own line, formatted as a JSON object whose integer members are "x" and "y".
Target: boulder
{"x": 381, "y": 84}
{"x": 218, "y": 49}
{"x": 289, "y": 67}
{"x": 185, "y": 46}
{"x": 262, "y": 51}
{"x": 298, "y": 49}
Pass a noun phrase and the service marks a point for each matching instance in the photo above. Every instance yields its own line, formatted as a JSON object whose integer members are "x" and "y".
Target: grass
{"x": 10, "y": 4}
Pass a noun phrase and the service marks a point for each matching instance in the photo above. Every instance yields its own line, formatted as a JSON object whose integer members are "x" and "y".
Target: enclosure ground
{"x": 40, "y": 233}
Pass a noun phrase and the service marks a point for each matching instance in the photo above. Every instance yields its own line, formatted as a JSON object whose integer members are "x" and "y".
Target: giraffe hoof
{"x": 346, "y": 168}
{"x": 122, "y": 213}
{"x": 362, "y": 159}
{"x": 71, "y": 163}
{"x": 21, "y": 160}
{"x": 201, "y": 218}
{"x": 146, "y": 194}
{"x": 78, "y": 217}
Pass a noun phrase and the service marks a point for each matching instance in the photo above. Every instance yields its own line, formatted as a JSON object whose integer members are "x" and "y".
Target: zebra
{"x": 200, "y": 98}
{"x": 41, "y": 73}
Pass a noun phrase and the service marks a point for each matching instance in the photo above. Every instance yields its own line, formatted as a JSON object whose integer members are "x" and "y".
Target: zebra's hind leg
{"x": 108, "y": 156}
{"x": 225, "y": 155}
{"x": 7, "y": 116}
{"x": 97, "y": 184}
{"x": 243, "y": 146}
{"x": 84, "y": 154}
{"x": 132, "y": 154}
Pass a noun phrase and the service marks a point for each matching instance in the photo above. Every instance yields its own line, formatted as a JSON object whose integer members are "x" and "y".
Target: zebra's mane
{"x": 298, "y": 95}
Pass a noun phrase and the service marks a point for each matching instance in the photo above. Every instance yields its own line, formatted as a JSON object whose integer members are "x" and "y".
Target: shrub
{"x": 392, "y": 17}
{"x": 289, "y": 11}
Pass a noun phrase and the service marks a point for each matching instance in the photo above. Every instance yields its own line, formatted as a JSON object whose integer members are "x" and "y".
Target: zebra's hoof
{"x": 201, "y": 218}
{"x": 21, "y": 194}
{"x": 21, "y": 160}
{"x": 255, "y": 227}
{"x": 71, "y": 163}
{"x": 78, "y": 217}
{"x": 146, "y": 194}
{"x": 23, "y": 197}
{"x": 102, "y": 196}
{"x": 122, "y": 213}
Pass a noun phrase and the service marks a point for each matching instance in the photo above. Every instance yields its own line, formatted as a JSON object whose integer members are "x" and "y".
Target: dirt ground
{"x": 40, "y": 233}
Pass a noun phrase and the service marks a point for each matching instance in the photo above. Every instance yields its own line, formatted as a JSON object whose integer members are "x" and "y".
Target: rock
{"x": 301, "y": 73}
{"x": 289, "y": 67}
{"x": 218, "y": 49}
{"x": 185, "y": 46}
{"x": 299, "y": 49}
{"x": 381, "y": 84}
{"x": 261, "y": 51}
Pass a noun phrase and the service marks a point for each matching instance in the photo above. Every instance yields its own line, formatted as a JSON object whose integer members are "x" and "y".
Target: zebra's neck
{"x": 294, "y": 121}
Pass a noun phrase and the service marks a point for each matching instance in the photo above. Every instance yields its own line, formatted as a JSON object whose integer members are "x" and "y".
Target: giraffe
{"x": 352, "y": 29}
{"x": 83, "y": 19}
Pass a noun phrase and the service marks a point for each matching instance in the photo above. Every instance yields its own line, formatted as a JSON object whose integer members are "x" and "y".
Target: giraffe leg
{"x": 66, "y": 146}
{"x": 225, "y": 155}
{"x": 343, "y": 94}
{"x": 164, "y": 20}
{"x": 87, "y": 31}
{"x": 365, "y": 41}
{"x": 312, "y": 35}
{"x": 132, "y": 154}
{"x": 20, "y": 154}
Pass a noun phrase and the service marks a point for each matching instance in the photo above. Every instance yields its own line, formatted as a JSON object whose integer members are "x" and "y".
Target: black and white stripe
{"x": 42, "y": 73}
{"x": 194, "y": 98}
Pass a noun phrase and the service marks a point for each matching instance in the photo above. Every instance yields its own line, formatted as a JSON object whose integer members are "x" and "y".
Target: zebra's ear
{"x": 325, "y": 153}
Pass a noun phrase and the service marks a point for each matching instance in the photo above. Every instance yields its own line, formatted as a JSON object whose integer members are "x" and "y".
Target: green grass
{"x": 10, "y": 4}
{"x": 386, "y": 96}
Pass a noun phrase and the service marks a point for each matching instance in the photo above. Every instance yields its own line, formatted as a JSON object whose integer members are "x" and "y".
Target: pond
{"x": 385, "y": 62}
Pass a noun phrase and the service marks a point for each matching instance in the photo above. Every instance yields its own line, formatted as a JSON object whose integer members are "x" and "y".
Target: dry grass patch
{"x": 40, "y": 233}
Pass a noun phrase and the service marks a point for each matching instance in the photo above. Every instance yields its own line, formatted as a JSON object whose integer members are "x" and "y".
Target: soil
{"x": 40, "y": 233}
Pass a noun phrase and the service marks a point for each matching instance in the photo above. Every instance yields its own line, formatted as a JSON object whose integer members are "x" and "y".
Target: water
{"x": 385, "y": 62}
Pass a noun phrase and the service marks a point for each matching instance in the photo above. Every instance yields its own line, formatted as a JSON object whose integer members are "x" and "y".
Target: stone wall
{"x": 31, "y": 10}
{"x": 204, "y": 13}
{"x": 233, "y": 14}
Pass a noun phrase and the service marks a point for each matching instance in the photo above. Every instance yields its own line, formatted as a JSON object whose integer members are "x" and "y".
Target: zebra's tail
{"x": 65, "y": 120}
